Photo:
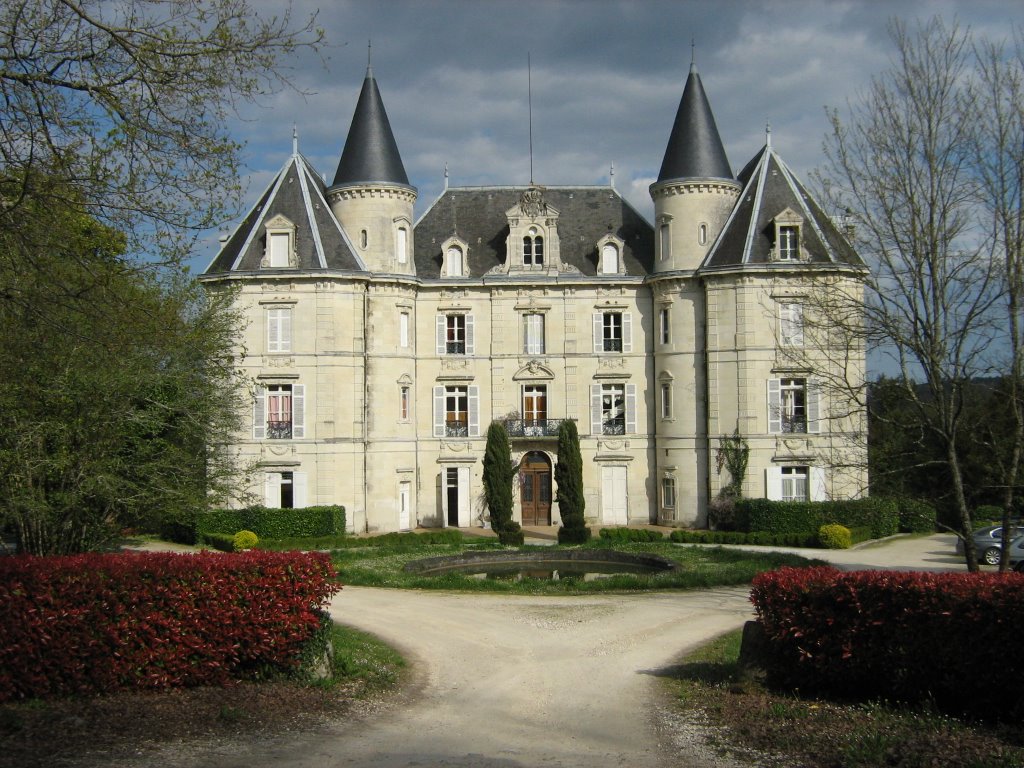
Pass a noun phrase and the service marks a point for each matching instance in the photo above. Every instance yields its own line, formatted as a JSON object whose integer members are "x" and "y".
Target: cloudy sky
{"x": 606, "y": 81}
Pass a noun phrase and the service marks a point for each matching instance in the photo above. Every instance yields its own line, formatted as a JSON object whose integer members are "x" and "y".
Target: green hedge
{"x": 441, "y": 536}
{"x": 916, "y": 516}
{"x": 630, "y": 534}
{"x": 274, "y": 523}
{"x": 881, "y": 515}
{"x": 759, "y": 538}
{"x": 225, "y": 542}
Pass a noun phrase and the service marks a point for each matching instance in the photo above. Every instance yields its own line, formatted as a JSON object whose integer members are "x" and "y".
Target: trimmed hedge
{"x": 95, "y": 623}
{"x": 916, "y": 516}
{"x": 759, "y": 538}
{"x": 274, "y": 523}
{"x": 945, "y": 638}
{"x": 881, "y": 515}
{"x": 629, "y": 534}
{"x": 407, "y": 539}
{"x": 224, "y": 542}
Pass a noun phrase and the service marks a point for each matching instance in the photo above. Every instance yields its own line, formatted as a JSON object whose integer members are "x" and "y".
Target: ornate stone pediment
{"x": 534, "y": 370}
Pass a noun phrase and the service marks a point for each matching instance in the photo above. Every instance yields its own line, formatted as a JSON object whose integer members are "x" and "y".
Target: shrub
{"x": 835, "y": 537}
{"x": 987, "y": 514}
{"x": 269, "y": 523}
{"x": 407, "y": 539}
{"x": 630, "y": 534}
{"x": 759, "y": 538}
{"x": 96, "y": 623}
{"x": 916, "y": 516}
{"x": 498, "y": 474}
{"x": 899, "y": 636}
{"x": 244, "y": 540}
{"x": 572, "y": 502}
{"x": 879, "y": 514}
{"x": 579, "y": 535}
{"x": 222, "y": 541}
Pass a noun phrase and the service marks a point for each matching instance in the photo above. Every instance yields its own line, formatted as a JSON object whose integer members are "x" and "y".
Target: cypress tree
{"x": 569, "y": 478}
{"x": 499, "y": 471}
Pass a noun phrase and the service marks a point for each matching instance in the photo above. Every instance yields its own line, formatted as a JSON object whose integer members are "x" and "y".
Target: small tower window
{"x": 363, "y": 239}
{"x": 665, "y": 241}
{"x": 702, "y": 234}
{"x": 402, "y": 245}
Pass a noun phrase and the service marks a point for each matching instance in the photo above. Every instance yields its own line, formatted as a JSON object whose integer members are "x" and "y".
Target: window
{"x": 535, "y": 409}
{"x": 454, "y": 334}
{"x": 453, "y": 264}
{"x": 613, "y": 409}
{"x": 279, "y": 247}
{"x": 364, "y": 239}
{"x": 279, "y": 412}
{"x": 794, "y": 484}
{"x": 456, "y": 411}
{"x": 533, "y": 249}
{"x": 791, "y": 325}
{"x": 284, "y": 490}
{"x": 609, "y": 259}
{"x": 404, "y": 403}
{"x": 666, "y": 401}
{"x": 613, "y": 332}
{"x": 403, "y": 330}
{"x": 664, "y": 326}
{"x": 702, "y": 234}
{"x": 788, "y": 245}
{"x": 665, "y": 241}
{"x": 279, "y": 329}
{"x": 792, "y": 406}
{"x": 533, "y": 334}
{"x": 402, "y": 245}
{"x": 668, "y": 492}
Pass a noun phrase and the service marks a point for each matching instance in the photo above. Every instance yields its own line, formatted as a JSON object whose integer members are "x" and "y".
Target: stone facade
{"x": 381, "y": 347}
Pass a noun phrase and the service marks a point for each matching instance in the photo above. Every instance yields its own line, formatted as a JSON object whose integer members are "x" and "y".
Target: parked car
{"x": 1017, "y": 554}
{"x": 987, "y": 542}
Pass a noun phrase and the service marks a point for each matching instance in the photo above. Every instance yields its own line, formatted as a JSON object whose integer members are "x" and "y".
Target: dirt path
{"x": 510, "y": 681}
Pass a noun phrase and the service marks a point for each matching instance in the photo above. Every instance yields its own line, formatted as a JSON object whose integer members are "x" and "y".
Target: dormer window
{"x": 533, "y": 248}
{"x": 787, "y": 236}
{"x": 609, "y": 261}
{"x": 280, "y": 249}
{"x": 454, "y": 252}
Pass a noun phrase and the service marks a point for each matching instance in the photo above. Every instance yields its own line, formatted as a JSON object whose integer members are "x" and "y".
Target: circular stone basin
{"x": 584, "y": 564}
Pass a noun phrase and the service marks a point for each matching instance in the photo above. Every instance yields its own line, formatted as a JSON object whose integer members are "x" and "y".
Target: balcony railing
{"x": 612, "y": 345}
{"x": 613, "y": 427}
{"x": 279, "y": 430}
{"x": 533, "y": 427}
{"x": 455, "y": 348}
{"x": 456, "y": 428}
{"x": 794, "y": 424}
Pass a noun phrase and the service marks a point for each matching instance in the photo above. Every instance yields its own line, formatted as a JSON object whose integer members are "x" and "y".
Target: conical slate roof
{"x": 297, "y": 194}
{"x": 695, "y": 149}
{"x": 371, "y": 153}
{"x": 770, "y": 189}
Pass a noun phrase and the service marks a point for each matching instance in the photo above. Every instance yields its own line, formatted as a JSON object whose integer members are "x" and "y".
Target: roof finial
{"x": 446, "y": 175}
{"x": 529, "y": 100}
{"x": 295, "y": 139}
{"x": 369, "y": 54}
{"x": 693, "y": 54}
{"x": 611, "y": 176}
{"x": 767, "y": 134}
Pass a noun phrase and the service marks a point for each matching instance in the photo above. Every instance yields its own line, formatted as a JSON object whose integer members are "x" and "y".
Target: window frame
{"x": 668, "y": 493}
{"x": 534, "y": 342}
{"x": 279, "y": 330}
{"x": 791, "y": 324}
{"x": 787, "y": 245}
{"x": 294, "y": 428}
{"x": 665, "y": 325}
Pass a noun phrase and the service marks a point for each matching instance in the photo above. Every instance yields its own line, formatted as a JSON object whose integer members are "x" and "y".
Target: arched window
{"x": 533, "y": 249}
{"x": 454, "y": 262}
{"x": 402, "y": 245}
{"x": 702, "y": 234}
{"x": 609, "y": 259}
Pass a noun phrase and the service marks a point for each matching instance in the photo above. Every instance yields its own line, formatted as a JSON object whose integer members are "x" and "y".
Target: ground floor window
{"x": 668, "y": 492}
{"x": 285, "y": 490}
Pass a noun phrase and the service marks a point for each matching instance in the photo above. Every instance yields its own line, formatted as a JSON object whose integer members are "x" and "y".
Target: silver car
{"x": 987, "y": 542}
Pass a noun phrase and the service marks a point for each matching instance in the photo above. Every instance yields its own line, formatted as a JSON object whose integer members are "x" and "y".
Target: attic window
{"x": 533, "y": 248}
{"x": 280, "y": 243}
{"x": 787, "y": 236}
{"x": 453, "y": 263}
{"x": 789, "y": 243}
{"x": 610, "y": 249}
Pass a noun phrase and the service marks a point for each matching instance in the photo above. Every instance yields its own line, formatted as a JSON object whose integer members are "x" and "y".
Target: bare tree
{"x": 999, "y": 163}
{"x": 902, "y": 166}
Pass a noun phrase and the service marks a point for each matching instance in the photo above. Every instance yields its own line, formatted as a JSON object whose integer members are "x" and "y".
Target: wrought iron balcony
{"x": 279, "y": 430}
{"x": 612, "y": 345}
{"x": 455, "y": 348}
{"x": 533, "y": 427}
{"x": 613, "y": 427}
{"x": 794, "y": 424}
{"x": 456, "y": 428}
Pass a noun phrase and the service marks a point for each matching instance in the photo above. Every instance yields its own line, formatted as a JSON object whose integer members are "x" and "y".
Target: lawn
{"x": 700, "y": 567}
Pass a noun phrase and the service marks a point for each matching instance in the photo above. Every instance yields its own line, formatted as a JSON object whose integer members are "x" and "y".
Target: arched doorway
{"x": 535, "y": 488}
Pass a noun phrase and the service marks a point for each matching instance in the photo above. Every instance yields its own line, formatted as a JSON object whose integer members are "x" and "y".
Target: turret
{"x": 371, "y": 195}
{"x": 695, "y": 190}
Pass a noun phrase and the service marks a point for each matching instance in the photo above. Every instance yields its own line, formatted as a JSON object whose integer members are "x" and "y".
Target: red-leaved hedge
{"x": 96, "y": 623}
{"x": 953, "y": 639}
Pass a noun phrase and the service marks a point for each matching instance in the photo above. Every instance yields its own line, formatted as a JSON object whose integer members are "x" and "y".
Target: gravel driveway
{"x": 508, "y": 681}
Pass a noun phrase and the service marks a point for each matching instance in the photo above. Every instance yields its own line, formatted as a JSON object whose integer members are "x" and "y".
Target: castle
{"x": 382, "y": 347}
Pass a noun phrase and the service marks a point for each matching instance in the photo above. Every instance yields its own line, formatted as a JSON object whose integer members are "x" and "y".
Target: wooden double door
{"x": 535, "y": 489}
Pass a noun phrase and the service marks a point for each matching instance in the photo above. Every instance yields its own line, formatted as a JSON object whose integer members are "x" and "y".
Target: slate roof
{"x": 371, "y": 152}
{"x": 769, "y": 188}
{"x": 695, "y": 149}
{"x": 297, "y": 193}
{"x": 586, "y": 214}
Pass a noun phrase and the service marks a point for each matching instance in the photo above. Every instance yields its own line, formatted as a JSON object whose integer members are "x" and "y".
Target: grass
{"x": 815, "y": 733}
{"x": 361, "y": 658}
{"x": 701, "y": 567}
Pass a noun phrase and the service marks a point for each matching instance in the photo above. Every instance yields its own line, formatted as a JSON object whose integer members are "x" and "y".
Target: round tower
{"x": 695, "y": 191}
{"x": 693, "y": 197}
{"x": 371, "y": 195}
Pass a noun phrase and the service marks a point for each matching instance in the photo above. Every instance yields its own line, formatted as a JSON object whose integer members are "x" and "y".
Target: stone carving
{"x": 532, "y": 202}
